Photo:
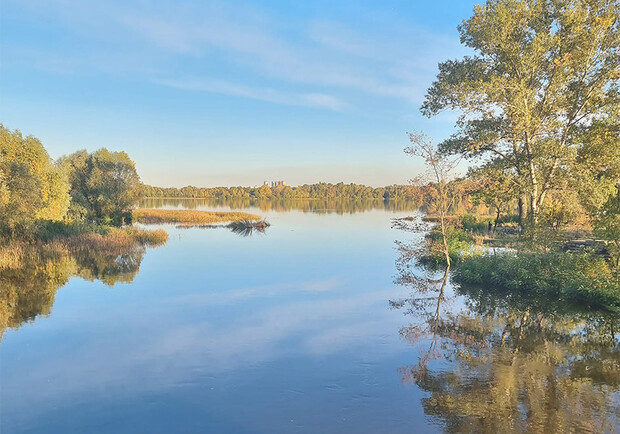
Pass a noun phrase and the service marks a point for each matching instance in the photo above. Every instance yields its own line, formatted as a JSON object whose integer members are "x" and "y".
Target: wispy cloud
{"x": 316, "y": 100}
{"x": 247, "y": 52}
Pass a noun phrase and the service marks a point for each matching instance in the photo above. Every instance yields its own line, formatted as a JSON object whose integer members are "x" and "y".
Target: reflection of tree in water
{"x": 505, "y": 362}
{"x": 318, "y": 206}
{"x": 28, "y": 291}
{"x": 110, "y": 269}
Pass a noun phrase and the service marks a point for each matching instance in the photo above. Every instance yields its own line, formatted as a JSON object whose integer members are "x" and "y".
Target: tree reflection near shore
{"x": 28, "y": 290}
{"x": 493, "y": 361}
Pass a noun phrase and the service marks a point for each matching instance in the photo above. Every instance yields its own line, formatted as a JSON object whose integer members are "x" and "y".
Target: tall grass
{"x": 112, "y": 241}
{"x": 155, "y": 216}
{"x": 117, "y": 240}
{"x": 12, "y": 255}
{"x": 579, "y": 278}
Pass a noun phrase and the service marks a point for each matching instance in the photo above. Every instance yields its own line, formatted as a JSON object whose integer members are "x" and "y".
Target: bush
{"x": 48, "y": 230}
{"x": 579, "y": 278}
{"x": 472, "y": 222}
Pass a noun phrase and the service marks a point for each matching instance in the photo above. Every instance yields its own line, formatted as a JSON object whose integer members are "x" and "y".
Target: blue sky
{"x": 230, "y": 93}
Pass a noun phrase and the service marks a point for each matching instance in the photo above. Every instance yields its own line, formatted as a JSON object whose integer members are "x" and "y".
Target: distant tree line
{"x": 99, "y": 187}
{"x": 320, "y": 190}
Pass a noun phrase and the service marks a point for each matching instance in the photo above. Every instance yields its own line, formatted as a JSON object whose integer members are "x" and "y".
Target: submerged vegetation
{"x": 190, "y": 217}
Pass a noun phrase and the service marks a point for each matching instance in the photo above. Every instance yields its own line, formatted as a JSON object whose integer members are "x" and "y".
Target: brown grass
{"x": 12, "y": 255}
{"x": 117, "y": 241}
{"x": 154, "y": 216}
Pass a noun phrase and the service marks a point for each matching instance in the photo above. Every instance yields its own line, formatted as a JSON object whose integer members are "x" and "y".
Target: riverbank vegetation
{"x": 540, "y": 121}
{"x": 82, "y": 201}
{"x": 190, "y": 217}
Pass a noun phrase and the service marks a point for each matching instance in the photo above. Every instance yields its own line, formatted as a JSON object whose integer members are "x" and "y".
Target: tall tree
{"x": 32, "y": 187}
{"x": 542, "y": 74}
{"x": 104, "y": 185}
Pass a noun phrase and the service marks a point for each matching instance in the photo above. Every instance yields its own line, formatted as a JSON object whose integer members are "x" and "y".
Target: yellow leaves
{"x": 605, "y": 21}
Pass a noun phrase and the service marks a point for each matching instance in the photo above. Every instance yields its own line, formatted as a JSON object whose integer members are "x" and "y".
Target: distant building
{"x": 275, "y": 183}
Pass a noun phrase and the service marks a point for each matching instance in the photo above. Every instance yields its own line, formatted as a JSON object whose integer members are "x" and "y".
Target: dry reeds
{"x": 11, "y": 255}
{"x": 116, "y": 241}
{"x": 192, "y": 217}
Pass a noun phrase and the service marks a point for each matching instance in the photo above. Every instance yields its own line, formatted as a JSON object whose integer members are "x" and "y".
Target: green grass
{"x": 577, "y": 278}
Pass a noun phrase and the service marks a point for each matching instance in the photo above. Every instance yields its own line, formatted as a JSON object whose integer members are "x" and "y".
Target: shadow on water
{"x": 492, "y": 361}
{"x": 28, "y": 290}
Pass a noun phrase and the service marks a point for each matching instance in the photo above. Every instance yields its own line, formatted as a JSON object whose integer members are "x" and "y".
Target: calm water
{"x": 321, "y": 324}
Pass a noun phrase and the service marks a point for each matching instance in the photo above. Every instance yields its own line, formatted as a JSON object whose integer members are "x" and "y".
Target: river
{"x": 320, "y": 324}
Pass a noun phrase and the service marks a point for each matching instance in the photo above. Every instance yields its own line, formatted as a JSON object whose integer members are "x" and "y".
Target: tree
{"x": 441, "y": 171}
{"x": 32, "y": 187}
{"x": 607, "y": 227}
{"x": 104, "y": 185}
{"x": 495, "y": 186}
{"x": 543, "y": 74}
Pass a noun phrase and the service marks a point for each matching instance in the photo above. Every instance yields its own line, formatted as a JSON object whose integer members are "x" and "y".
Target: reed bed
{"x": 190, "y": 217}
{"x": 12, "y": 255}
{"x": 117, "y": 241}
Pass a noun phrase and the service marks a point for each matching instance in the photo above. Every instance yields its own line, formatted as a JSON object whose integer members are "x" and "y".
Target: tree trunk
{"x": 522, "y": 214}
{"x": 496, "y": 220}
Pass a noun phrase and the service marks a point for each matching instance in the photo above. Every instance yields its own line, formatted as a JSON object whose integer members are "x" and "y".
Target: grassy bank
{"x": 191, "y": 217}
{"x": 567, "y": 277}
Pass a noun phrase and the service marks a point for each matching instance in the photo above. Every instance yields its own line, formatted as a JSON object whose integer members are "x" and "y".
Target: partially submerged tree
{"x": 542, "y": 76}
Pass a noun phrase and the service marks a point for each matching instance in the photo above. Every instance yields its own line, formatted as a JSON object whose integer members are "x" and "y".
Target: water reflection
{"x": 28, "y": 290}
{"x": 247, "y": 230}
{"x": 494, "y": 361}
{"x": 318, "y": 206}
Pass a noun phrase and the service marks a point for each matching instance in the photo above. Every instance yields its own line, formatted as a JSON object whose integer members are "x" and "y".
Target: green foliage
{"x": 321, "y": 190}
{"x": 496, "y": 186}
{"x": 579, "y": 278}
{"x": 473, "y": 222}
{"x": 104, "y": 186}
{"x": 460, "y": 245}
{"x": 47, "y": 230}
{"x": 607, "y": 227}
{"x": 539, "y": 94}
{"x": 32, "y": 187}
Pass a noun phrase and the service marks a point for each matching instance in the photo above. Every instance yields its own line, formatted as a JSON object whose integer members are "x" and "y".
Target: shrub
{"x": 578, "y": 278}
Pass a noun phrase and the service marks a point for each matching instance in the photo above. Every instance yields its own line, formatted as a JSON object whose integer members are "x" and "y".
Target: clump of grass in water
{"x": 247, "y": 227}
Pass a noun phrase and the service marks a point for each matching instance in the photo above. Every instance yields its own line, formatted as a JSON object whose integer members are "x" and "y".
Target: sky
{"x": 223, "y": 93}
